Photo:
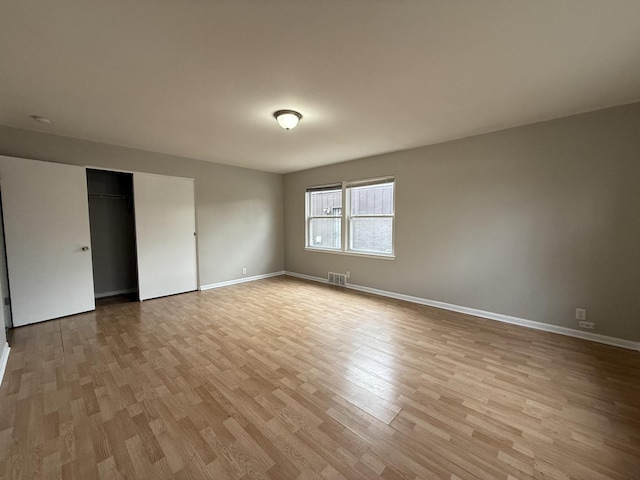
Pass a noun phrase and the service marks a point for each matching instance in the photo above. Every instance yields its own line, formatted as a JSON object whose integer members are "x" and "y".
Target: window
{"x": 370, "y": 218}
{"x": 324, "y": 217}
{"x": 352, "y": 217}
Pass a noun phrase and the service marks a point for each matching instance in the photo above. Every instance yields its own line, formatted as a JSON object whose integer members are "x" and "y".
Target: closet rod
{"x": 107, "y": 195}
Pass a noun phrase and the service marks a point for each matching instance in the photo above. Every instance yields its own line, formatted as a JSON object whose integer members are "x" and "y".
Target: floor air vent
{"x": 337, "y": 279}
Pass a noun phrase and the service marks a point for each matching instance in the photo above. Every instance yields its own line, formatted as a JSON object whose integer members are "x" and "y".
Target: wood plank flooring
{"x": 285, "y": 379}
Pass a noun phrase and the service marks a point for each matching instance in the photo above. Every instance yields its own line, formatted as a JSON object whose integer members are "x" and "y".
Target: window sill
{"x": 379, "y": 256}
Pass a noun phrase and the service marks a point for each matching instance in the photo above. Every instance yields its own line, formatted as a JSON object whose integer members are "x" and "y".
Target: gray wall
{"x": 530, "y": 222}
{"x": 238, "y": 210}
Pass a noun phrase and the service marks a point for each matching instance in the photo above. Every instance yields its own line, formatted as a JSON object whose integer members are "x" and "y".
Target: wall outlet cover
{"x": 587, "y": 325}
{"x": 581, "y": 314}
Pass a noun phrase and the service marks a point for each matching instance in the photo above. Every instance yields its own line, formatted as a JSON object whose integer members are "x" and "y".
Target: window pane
{"x": 327, "y": 202}
{"x": 372, "y": 199}
{"x": 325, "y": 233}
{"x": 373, "y": 235}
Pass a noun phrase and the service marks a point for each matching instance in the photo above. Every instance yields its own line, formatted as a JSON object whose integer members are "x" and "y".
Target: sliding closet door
{"x": 46, "y": 220}
{"x": 165, "y": 235}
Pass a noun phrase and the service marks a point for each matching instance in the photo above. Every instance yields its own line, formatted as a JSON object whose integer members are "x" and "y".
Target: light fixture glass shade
{"x": 287, "y": 119}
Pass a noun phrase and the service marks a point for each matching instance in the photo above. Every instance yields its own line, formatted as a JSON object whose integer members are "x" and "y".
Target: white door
{"x": 46, "y": 223}
{"x": 165, "y": 235}
{"x": 4, "y": 276}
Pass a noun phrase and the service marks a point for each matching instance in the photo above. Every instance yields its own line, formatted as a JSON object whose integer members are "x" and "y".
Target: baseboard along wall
{"x": 116, "y": 292}
{"x": 4, "y": 358}
{"x": 594, "y": 337}
{"x": 241, "y": 280}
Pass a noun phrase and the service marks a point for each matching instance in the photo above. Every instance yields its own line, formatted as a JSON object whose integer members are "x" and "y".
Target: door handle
{"x": 85, "y": 248}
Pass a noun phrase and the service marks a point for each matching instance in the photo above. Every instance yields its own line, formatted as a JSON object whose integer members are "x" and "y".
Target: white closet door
{"x": 165, "y": 235}
{"x": 46, "y": 220}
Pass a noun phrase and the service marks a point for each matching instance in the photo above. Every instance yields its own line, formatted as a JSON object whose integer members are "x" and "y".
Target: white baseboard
{"x": 307, "y": 277}
{"x": 115, "y": 292}
{"x": 4, "y": 358}
{"x": 241, "y": 280}
{"x": 594, "y": 337}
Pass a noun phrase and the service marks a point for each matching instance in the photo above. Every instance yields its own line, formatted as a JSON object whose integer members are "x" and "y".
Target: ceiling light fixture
{"x": 39, "y": 119}
{"x": 287, "y": 119}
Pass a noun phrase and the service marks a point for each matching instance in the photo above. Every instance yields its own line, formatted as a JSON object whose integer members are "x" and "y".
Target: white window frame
{"x": 349, "y": 216}
{"x": 345, "y": 223}
{"x": 309, "y": 217}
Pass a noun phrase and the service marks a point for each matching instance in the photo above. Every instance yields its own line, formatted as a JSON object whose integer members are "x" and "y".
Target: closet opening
{"x": 113, "y": 236}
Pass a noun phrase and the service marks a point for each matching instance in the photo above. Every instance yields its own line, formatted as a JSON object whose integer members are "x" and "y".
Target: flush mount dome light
{"x": 287, "y": 119}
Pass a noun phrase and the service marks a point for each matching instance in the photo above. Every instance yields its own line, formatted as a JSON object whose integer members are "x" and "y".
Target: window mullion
{"x": 345, "y": 213}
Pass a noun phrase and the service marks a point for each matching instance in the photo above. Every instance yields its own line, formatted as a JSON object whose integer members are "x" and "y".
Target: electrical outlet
{"x": 348, "y": 274}
{"x": 587, "y": 325}
{"x": 244, "y": 270}
{"x": 581, "y": 314}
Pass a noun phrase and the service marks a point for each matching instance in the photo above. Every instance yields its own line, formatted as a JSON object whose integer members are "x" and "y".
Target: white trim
{"x": 4, "y": 359}
{"x": 307, "y": 277}
{"x": 241, "y": 280}
{"x": 115, "y": 292}
{"x": 371, "y": 181}
{"x": 570, "y": 332}
{"x": 351, "y": 253}
{"x": 118, "y": 170}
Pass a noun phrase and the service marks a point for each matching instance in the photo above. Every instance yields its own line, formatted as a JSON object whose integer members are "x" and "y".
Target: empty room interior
{"x": 328, "y": 240}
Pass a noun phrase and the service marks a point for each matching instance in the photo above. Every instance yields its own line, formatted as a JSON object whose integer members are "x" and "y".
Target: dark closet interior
{"x": 113, "y": 238}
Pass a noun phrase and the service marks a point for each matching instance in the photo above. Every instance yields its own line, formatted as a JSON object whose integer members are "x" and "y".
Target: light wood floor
{"x": 284, "y": 379}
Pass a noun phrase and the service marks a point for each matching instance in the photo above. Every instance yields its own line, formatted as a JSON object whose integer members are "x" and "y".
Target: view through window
{"x": 361, "y": 211}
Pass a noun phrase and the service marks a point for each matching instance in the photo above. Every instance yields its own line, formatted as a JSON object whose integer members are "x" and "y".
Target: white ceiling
{"x": 201, "y": 78}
